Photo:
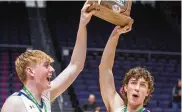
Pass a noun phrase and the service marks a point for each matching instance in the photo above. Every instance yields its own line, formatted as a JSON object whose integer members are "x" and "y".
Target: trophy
{"x": 116, "y": 12}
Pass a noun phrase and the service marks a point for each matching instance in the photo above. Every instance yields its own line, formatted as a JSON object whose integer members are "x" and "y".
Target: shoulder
{"x": 14, "y": 99}
{"x": 120, "y": 109}
{"x": 146, "y": 110}
{"x": 13, "y": 102}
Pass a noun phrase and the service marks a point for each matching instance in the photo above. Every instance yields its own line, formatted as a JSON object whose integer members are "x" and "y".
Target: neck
{"x": 35, "y": 91}
{"x": 132, "y": 108}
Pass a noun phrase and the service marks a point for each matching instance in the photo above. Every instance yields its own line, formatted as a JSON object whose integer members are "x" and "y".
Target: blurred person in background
{"x": 176, "y": 95}
{"x": 91, "y": 105}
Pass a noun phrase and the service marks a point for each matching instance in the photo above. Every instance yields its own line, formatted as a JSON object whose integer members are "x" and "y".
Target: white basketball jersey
{"x": 121, "y": 109}
{"x": 31, "y": 107}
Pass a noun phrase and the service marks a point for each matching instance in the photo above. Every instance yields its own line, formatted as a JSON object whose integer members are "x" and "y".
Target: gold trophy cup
{"x": 116, "y": 12}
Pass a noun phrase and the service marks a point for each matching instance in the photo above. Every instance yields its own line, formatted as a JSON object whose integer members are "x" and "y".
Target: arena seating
{"x": 14, "y": 23}
{"x": 150, "y": 30}
{"x": 13, "y": 30}
{"x": 165, "y": 79}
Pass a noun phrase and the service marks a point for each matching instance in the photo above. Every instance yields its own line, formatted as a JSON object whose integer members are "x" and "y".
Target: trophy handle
{"x": 104, "y": 10}
{"x": 128, "y": 8}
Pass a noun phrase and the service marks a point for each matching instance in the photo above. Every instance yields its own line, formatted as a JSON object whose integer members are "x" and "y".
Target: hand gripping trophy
{"x": 116, "y": 12}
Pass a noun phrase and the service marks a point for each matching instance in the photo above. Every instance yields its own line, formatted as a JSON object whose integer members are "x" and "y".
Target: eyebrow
{"x": 133, "y": 80}
{"x": 144, "y": 82}
{"x": 46, "y": 62}
{"x": 140, "y": 82}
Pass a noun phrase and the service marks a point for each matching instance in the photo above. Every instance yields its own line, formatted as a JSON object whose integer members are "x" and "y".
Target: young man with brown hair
{"x": 137, "y": 85}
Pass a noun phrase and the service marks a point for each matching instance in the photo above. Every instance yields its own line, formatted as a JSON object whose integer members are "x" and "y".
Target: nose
{"x": 137, "y": 87}
{"x": 51, "y": 69}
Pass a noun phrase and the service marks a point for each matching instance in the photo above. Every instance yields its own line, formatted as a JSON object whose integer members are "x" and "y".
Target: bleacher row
{"x": 13, "y": 30}
{"x": 8, "y": 78}
{"x": 149, "y": 32}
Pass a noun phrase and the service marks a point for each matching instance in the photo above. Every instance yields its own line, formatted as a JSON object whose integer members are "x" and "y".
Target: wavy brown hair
{"x": 138, "y": 72}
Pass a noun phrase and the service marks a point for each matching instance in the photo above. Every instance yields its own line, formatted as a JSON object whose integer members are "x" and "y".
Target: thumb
{"x": 93, "y": 12}
{"x": 85, "y": 7}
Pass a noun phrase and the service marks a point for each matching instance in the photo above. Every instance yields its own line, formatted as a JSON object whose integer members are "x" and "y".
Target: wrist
{"x": 115, "y": 37}
{"x": 82, "y": 25}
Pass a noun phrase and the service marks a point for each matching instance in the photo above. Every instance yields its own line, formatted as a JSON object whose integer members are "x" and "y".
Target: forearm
{"x": 63, "y": 81}
{"x": 66, "y": 78}
{"x": 107, "y": 86}
{"x": 108, "y": 56}
{"x": 106, "y": 78}
{"x": 105, "y": 68}
{"x": 79, "y": 52}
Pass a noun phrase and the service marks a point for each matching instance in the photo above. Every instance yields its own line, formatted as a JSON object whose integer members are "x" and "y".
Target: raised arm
{"x": 111, "y": 98}
{"x": 69, "y": 74}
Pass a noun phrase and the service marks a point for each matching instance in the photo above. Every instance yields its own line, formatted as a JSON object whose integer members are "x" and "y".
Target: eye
{"x": 133, "y": 82}
{"x": 143, "y": 85}
{"x": 46, "y": 65}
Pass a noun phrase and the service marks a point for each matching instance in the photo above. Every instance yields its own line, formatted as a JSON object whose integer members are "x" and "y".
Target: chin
{"x": 134, "y": 103}
{"x": 48, "y": 87}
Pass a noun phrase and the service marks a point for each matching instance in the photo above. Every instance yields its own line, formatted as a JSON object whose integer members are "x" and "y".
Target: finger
{"x": 85, "y": 7}
{"x": 86, "y": 2}
{"x": 118, "y": 26}
{"x": 126, "y": 27}
{"x": 89, "y": 14}
{"x": 122, "y": 28}
{"x": 93, "y": 12}
{"x": 129, "y": 28}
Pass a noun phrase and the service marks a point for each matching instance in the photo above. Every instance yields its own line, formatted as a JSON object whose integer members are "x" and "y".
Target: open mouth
{"x": 49, "y": 79}
{"x": 135, "y": 95}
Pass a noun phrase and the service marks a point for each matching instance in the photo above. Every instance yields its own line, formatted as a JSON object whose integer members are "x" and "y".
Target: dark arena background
{"x": 154, "y": 42}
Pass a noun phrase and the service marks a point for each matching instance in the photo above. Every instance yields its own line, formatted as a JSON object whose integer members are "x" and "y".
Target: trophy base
{"x": 111, "y": 16}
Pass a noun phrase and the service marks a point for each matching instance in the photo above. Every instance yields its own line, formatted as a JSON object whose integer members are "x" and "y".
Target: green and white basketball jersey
{"x": 32, "y": 107}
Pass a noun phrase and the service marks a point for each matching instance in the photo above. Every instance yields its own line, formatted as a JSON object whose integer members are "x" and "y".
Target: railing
{"x": 14, "y": 46}
{"x": 128, "y": 51}
{"x": 147, "y": 52}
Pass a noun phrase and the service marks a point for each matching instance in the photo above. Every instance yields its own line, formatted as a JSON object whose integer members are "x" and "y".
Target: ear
{"x": 148, "y": 92}
{"x": 125, "y": 88}
{"x": 30, "y": 71}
